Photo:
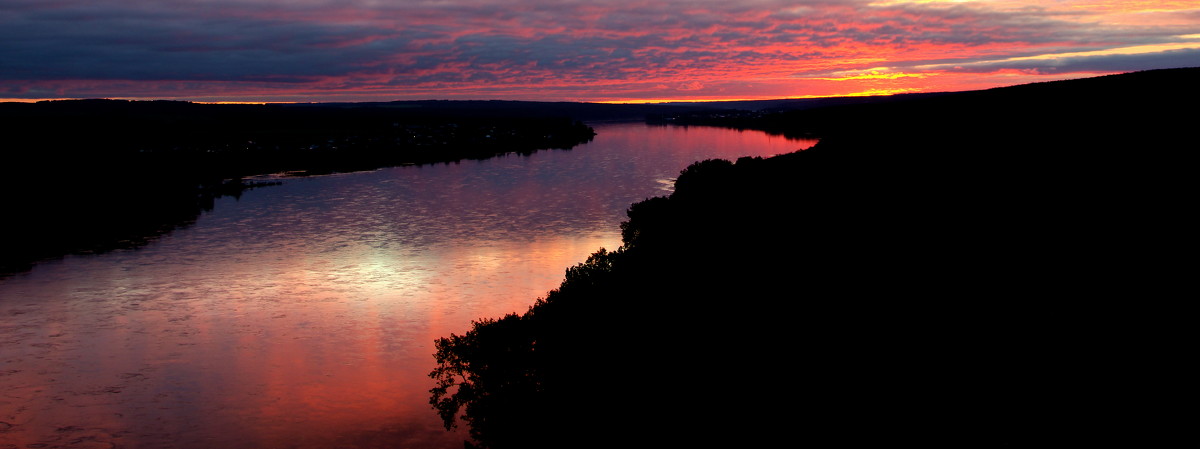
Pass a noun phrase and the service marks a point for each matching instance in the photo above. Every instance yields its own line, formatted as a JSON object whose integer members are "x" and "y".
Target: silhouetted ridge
{"x": 942, "y": 272}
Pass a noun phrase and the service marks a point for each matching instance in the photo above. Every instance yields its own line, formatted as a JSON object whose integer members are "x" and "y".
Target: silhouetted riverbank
{"x": 943, "y": 271}
{"x": 88, "y": 176}
{"x": 326, "y": 291}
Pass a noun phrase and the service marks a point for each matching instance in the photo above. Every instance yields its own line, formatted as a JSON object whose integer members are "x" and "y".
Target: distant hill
{"x": 791, "y": 104}
{"x": 589, "y": 112}
{"x": 962, "y": 270}
{"x": 1057, "y": 107}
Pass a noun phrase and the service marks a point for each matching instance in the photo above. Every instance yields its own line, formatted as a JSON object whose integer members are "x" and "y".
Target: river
{"x": 303, "y": 315}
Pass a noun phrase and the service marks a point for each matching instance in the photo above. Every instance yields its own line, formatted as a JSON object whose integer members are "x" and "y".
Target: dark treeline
{"x": 588, "y": 112}
{"x": 958, "y": 270}
{"x": 237, "y": 140}
{"x": 85, "y": 176}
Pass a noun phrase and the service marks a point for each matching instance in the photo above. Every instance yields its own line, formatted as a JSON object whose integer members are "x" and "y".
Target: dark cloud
{"x": 60, "y": 45}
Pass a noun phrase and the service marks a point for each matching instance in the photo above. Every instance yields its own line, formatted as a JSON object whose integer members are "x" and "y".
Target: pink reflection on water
{"x": 300, "y": 360}
{"x": 304, "y": 316}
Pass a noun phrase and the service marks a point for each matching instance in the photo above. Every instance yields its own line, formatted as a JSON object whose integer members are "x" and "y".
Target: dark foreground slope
{"x": 938, "y": 273}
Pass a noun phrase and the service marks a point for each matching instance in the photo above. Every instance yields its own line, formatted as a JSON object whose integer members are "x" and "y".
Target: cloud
{"x": 1097, "y": 62}
{"x": 532, "y": 48}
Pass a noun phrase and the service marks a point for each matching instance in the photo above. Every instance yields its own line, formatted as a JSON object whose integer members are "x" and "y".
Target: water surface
{"x": 304, "y": 315}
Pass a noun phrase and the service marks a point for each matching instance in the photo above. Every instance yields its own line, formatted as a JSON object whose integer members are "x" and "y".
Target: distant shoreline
{"x": 123, "y": 173}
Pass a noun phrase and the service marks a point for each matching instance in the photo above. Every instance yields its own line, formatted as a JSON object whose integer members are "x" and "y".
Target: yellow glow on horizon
{"x": 876, "y": 75}
{"x": 881, "y": 92}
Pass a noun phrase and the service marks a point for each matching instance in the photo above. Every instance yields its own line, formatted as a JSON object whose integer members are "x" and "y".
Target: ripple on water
{"x": 303, "y": 315}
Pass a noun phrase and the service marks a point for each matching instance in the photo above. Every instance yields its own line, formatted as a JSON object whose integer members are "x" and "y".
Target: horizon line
{"x": 643, "y": 101}
{"x": 875, "y": 93}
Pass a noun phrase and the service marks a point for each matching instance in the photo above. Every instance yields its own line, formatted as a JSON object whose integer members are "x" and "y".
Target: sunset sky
{"x": 572, "y": 50}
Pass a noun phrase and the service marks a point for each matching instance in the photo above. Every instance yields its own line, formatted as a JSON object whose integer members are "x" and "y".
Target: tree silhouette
{"x": 927, "y": 274}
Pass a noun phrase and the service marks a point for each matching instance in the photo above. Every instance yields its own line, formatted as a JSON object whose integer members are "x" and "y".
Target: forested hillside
{"x": 942, "y": 271}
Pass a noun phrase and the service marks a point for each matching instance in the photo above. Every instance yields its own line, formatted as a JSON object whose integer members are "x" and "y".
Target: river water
{"x": 303, "y": 315}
